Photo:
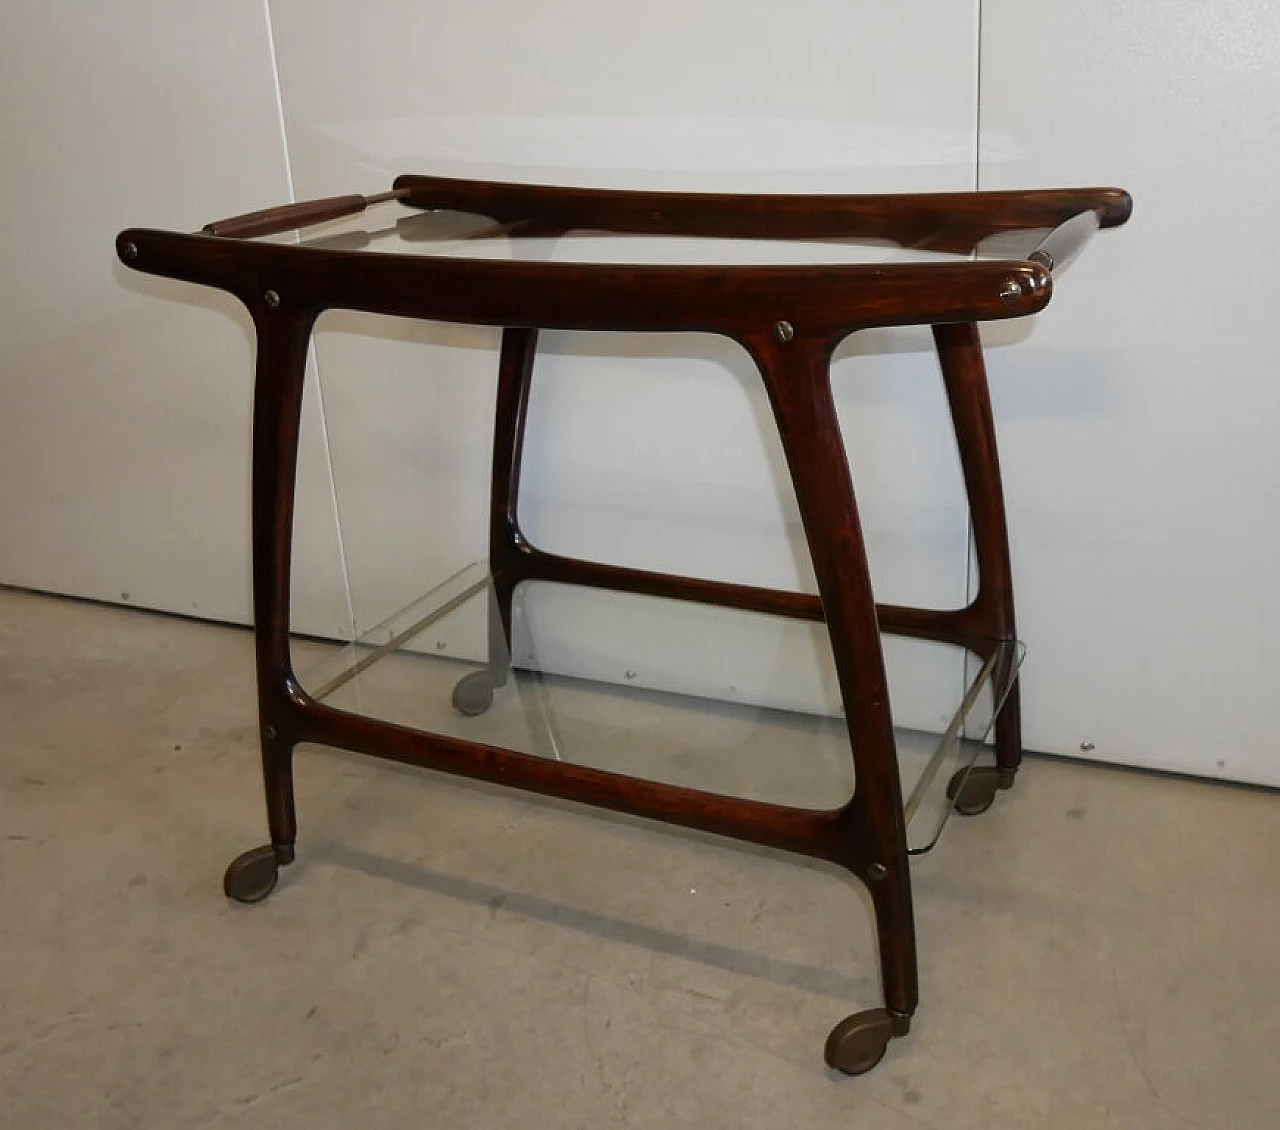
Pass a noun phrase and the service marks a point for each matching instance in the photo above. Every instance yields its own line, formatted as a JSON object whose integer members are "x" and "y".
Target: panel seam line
{"x": 312, "y": 352}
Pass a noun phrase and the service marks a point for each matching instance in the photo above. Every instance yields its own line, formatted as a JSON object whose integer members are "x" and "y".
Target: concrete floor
{"x": 1097, "y": 951}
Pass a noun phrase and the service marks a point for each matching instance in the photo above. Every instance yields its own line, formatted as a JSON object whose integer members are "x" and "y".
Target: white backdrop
{"x": 1134, "y": 414}
{"x": 662, "y": 457}
{"x": 124, "y": 401}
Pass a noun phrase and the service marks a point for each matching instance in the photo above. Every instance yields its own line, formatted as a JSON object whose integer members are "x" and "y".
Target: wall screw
{"x": 272, "y": 299}
{"x": 631, "y": 674}
{"x": 784, "y": 331}
{"x": 1086, "y": 747}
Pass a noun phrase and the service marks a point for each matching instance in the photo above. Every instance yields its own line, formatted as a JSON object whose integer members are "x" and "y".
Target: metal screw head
{"x": 130, "y": 251}
{"x": 877, "y": 871}
{"x": 269, "y": 732}
{"x": 1010, "y": 290}
{"x": 272, "y": 299}
{"x": 1086, "y": 747}
{"x": 784, "y": 331}
{"x": 631, "y": 674}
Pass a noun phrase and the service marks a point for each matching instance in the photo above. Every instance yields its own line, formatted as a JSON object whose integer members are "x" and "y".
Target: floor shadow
{"x": 715, "y": 954}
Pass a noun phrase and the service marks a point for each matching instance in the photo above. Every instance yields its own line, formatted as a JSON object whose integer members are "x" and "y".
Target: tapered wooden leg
{"x": 796, "y": 373}
{"x": 283, "y": 335}
{"x": 474, "y": 692}
{"x": 990, "y": 613}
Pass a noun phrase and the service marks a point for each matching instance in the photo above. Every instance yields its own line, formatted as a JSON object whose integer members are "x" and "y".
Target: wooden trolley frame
{"x": 790, "y": 319}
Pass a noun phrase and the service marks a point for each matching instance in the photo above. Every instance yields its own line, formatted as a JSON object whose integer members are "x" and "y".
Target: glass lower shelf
{"x": 740, "y": 704}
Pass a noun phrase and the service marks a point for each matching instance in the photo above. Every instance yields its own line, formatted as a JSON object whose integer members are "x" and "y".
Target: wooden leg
{"x": 990, "y": 614}
{"x": 797, "y": 376}
{"x": 474, "y": 693}
{"x": 283, "y": 337}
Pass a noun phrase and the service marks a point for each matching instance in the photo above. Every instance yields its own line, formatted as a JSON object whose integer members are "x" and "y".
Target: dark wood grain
{"x": 789, "y": 318}
{"x": 506, "y": 540}
{"x": 957, "y": 626}
{"x": 803, "y": 831}
{"x": 989, "y": 616}
{"x": 941, "y": 221}
{"x": 287, "y": 217}
{"x": 283, "y": 338}
{"x": 797, "y": 378}
{"x": 735, "y": 300}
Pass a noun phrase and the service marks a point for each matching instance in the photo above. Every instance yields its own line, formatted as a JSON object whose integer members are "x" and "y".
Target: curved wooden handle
{"x": 270, "y": 221}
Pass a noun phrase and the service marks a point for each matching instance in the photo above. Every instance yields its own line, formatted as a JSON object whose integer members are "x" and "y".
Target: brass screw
{"x": 1010, "y": 291}
{"x": 272, "y": 299}
{"x": 784, "y": 332}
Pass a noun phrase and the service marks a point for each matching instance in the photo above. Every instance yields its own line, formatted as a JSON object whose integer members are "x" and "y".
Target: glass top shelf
{"x": 663, "y": 690}
{"x": 395, "y": 229}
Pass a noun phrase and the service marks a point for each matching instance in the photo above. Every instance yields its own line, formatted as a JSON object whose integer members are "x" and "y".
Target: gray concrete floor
{"x": 1097, "y": 951}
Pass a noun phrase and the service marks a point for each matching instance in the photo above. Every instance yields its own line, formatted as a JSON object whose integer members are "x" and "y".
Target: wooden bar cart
{"x": 959, "y": 259}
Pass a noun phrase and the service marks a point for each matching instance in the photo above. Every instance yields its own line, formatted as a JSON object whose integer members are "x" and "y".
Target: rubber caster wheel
{"x": 974, "y": 791}
{"x": 253, "y": 875}
{"x": 859, "y": 1041}
{"x": 473, "y": 694}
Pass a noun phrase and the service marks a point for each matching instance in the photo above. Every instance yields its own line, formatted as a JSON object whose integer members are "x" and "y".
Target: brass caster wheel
{"x": 253, "y": 875}
{"x": 473, "y": 694}
{"x": 973, "y": 791}
{"x": 859, "y": 1041}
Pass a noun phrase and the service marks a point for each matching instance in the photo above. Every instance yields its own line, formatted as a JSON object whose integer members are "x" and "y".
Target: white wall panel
{"x": 651, "y": 451}
{"x": 1136, "y": 414}
{"x": 1138, "y": 419}
{"x": 124, "y": 400}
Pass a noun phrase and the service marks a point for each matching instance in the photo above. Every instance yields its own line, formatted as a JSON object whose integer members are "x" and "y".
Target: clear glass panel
{"x": 943, "y": 757}
{"x": 650, "y": 688}
{"x": 394, "y": 229}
